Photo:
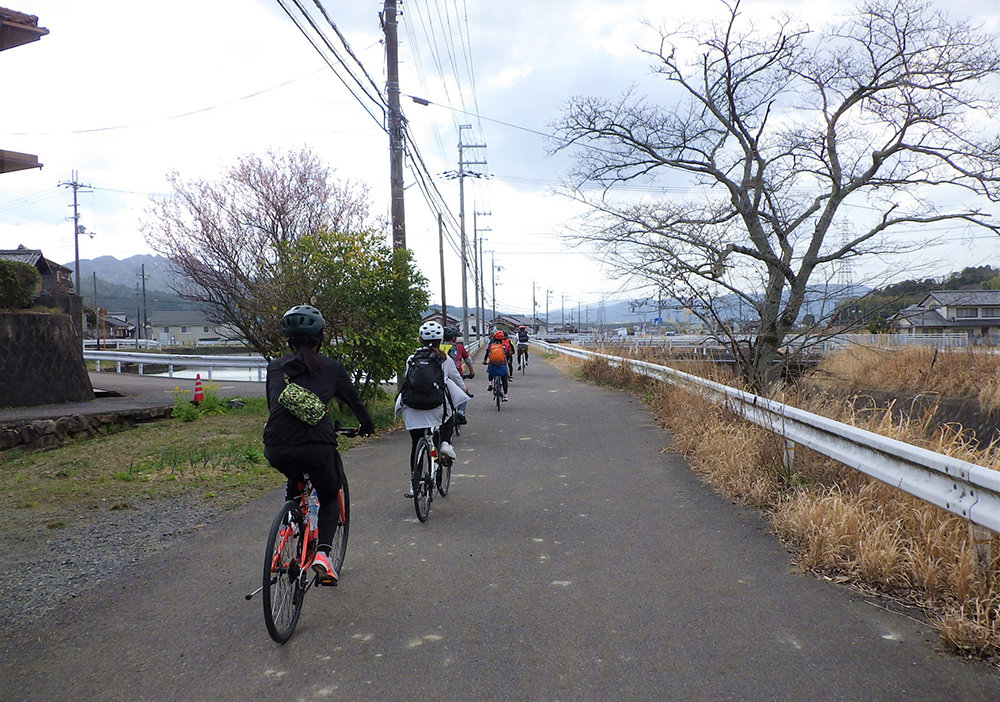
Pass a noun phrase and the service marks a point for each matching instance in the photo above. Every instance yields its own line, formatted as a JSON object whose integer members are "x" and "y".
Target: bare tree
{"x": 232, "y": 240}
{"x": 784, "y": 130}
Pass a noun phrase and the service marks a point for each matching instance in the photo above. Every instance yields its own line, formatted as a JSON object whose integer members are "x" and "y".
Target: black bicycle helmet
{"x": 450, "y": 333}
{"x": 302, "y": 321}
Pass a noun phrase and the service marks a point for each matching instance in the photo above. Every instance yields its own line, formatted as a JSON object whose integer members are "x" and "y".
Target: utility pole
{"x": 137, "y": 313}
{"x": 395, "y": 116}
{"x": 462, "y": 173}
{"x": 548, "y": 294}
{"x": 77, "y": 186}
{"x": 444, "y": 305}
{"x": 482, "y": 289}
{"x": 477, "y": 267}
{"x": 562, "y": 312}
{"x": 493, "y": 276}
{"x": 534, "y": 310}
{"x": 145, "y": 313}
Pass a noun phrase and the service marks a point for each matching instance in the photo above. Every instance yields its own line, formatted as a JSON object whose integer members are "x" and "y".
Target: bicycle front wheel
{"x": 282, "y": 594}
{"x": 420, "y": 476}
{"x": 338, "y": 545}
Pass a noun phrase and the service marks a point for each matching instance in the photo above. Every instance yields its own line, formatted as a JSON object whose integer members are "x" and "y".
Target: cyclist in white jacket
{"x": 442, "y": 417}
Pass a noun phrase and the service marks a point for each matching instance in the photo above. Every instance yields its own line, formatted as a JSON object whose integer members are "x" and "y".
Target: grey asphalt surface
{"x": 131, "y": 392}
{"x": 575, "y": 558}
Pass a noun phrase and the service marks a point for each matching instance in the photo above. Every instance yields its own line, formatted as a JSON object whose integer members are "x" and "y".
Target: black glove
{"x": 367, "y": 429}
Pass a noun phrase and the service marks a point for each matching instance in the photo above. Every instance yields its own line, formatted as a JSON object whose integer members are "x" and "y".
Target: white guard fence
{"x": 965, "y": 489}
{"x": 174, "y": 360}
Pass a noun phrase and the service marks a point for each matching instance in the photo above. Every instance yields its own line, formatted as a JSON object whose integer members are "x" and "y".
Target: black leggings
{"x": 323, "y": 465}
{"x": 442, "y": 434}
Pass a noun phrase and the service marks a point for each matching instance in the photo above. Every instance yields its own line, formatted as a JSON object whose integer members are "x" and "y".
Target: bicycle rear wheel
{"x": 420, "y": 477}
{"x": 444, "y": 476}
{"x": 498, "y": 393}
{"x": 282, "y": 594}
{"x": 338, "y": 547}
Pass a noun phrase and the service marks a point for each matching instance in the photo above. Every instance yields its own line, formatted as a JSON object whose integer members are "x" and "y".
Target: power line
{"x": 350, "y": 52}
{"x": 302, "y": 29}
{"x": 180, "y": 115}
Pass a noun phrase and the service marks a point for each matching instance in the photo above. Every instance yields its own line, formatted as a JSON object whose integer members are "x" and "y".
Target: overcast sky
{"x": 122, "y": 92}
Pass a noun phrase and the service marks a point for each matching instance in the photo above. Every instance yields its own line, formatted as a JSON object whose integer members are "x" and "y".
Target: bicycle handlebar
{"x": 349, "y": 432}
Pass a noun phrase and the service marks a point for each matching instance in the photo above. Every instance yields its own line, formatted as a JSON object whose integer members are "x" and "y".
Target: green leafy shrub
{"x": 19, "y": 283}
{"x": 187, "y": 411}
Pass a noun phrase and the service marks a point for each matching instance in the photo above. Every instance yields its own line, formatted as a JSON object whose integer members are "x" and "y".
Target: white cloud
{"x": 141, "y": 66}
{"x": 509, "y": 77}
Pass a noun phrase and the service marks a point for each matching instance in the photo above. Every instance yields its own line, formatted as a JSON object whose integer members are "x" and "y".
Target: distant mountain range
{"x": 119, "y": 284}
{"x": 119, "y": 288}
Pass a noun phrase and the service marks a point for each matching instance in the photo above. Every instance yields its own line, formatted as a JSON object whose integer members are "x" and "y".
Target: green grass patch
{"x": 218, "y": 455}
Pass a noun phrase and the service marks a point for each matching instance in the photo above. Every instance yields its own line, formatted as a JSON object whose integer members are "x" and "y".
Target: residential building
{"x": 434, "y": 315}
{"x": 190, "y": 328}
{"x": 16, "y": 29}
{"x": 513, "y": 321}
{"x": 975, "y": 313}
{"x": 56, "y": 278}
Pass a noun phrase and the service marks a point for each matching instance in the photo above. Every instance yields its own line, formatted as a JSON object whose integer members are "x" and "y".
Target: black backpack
{"x": 423, "y": 386}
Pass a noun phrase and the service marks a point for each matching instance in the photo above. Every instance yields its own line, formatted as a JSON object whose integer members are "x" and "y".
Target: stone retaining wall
{"x": 48, "y": 433}
{"x": 41, "y": 360}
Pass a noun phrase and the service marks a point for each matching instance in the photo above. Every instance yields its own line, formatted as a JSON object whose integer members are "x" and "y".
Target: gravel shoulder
{"x": 45, "y": 570}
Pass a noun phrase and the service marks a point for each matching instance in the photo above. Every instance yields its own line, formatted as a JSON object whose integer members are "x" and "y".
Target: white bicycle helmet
{"x": 429, "y": 331}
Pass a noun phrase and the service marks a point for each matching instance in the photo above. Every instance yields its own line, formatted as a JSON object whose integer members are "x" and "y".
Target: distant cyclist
{"x": 522, "y": 347}
{"x": 422, "y": 404}
{"x": 495, "y": 360}
{"x": 294, "y": 447}
{"x": 508, "y": 348}
{"x": 456, "y": 350}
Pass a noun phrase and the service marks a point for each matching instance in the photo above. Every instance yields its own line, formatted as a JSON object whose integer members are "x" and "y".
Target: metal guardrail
{"x": 175, "y": 360}
{"x": 701, "y": 344}
{"x": 965, "y": 489}
{"x": 117, "y": 344}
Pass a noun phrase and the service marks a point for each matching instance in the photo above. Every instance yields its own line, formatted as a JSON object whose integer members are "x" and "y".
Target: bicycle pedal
{"x": 328, "y": 582}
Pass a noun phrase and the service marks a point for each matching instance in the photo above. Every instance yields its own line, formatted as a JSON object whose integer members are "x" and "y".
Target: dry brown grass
{"x": 959, "y": 373}
{"x": 841, "y": 523}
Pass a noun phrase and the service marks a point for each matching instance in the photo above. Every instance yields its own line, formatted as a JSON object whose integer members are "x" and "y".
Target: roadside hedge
{"x": 19, "y": 283}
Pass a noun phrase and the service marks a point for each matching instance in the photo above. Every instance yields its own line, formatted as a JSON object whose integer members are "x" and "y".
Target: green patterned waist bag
{"x": 304, "y": 404}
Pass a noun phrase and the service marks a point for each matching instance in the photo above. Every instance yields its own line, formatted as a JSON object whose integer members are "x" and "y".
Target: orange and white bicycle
{"x": 291, "y": 548}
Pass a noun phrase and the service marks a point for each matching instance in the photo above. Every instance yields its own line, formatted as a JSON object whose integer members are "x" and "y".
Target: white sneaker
{"x": 447, "y": 450}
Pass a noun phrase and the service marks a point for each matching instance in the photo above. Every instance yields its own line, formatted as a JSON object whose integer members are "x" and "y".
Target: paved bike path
{"x": 574, "y": 559}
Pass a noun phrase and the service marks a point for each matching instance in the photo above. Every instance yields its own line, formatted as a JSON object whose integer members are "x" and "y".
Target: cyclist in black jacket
{"x": 294, "y": 447}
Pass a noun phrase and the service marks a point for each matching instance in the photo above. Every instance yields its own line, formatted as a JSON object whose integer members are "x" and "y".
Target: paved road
{"x": 126, "y": 392}
{"x": 574, "y": 559}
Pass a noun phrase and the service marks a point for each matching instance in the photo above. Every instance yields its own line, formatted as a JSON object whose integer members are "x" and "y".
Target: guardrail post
{"x": 982, "y": 544}
{"x": 118, "y": 366}
{"x": 788, "y": 455}
{"x": 140, "y": 369}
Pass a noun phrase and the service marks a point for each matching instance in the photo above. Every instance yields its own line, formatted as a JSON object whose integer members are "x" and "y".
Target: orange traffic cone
{"x": 199, "y": 394}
